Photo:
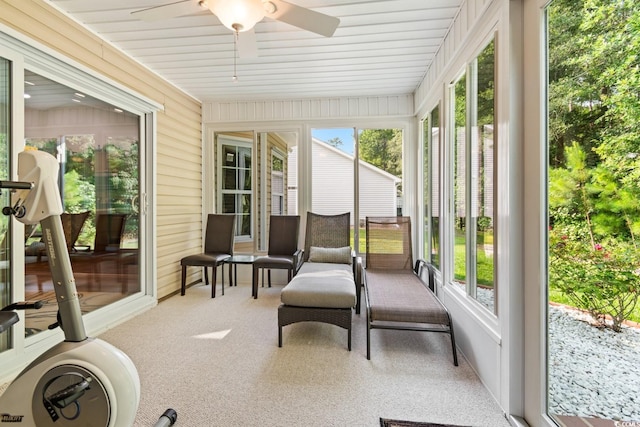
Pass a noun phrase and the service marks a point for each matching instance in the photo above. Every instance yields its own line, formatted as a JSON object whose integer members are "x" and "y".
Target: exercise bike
{"x": 81, "y": 381}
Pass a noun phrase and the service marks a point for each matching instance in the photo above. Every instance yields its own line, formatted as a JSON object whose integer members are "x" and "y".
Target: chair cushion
{"x": 325, "y": 289}
{"x": 313, "y": 267}
{"x": 330, "y": 255}
{"x": 400, "y": 296}
{"x": 209, "y": 260}
{"x": 274, "y": 261}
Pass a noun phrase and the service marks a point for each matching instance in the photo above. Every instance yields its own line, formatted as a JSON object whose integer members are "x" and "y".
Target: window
{"x": 236, "y": 190}
{"x": 431, "y": 176}
{"x": 482, "y": 178}
{"x": 277, "y": 183}
{"x": 459, "y": 116}
{"x": 473, "y": 146}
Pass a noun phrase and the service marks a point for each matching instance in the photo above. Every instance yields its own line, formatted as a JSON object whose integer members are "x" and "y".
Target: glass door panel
{"x": 593, "y": 112}
{"x": 379, "y": 175}
{"x": 332, "y": 181}
{"x": 5, "y": 241}
{"x": 98, "y": 148}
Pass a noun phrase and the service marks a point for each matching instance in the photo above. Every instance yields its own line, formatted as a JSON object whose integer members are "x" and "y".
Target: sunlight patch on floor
{"x": 218, "y": 335}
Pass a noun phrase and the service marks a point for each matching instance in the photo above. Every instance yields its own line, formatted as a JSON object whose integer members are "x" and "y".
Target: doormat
{"x": 398, "y": 423}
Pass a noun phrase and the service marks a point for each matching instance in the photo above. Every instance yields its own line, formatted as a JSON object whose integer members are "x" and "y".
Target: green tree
{"x": 335, "y": 142}
{"x": 594, "y": 152}
{"x": 383, "y": 149}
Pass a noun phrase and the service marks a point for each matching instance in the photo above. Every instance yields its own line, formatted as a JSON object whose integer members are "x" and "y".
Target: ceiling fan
{"x": 241, "y": 15}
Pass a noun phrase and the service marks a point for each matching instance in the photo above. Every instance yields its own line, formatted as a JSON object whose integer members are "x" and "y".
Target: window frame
{"x": 243, "y": 143}
{"x": 276, "y": 154}
{"x": 468, "y": 285}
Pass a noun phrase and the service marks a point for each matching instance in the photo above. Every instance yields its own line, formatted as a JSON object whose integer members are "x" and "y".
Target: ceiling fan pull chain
{"x": 235, "y": 55}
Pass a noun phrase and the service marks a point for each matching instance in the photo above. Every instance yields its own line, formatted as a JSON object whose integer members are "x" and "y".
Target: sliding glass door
{"x": 97, "y": 145}
{"x": 360, "y": 175}
{"x": 593, "y": 250}
{"x": 5, "y": 239}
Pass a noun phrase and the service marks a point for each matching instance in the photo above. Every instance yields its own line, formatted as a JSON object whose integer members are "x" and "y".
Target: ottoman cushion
{"x": 325, "y": 289}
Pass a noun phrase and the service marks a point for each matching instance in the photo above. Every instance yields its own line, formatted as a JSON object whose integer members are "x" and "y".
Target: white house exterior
{"x": 333, "y": 172}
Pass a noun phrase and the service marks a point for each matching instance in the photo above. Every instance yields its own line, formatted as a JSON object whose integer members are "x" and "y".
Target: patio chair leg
{"x": 453, "y": 342}
{"x": 184, "y": 279}
{"x": 254, "y": 283}
{"x": 368, "y": 338}
{"x": 213, "y": 283}
{"x": 216, "y": 267}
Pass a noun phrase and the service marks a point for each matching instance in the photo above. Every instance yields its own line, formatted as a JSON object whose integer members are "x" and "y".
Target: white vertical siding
{"x": 307, "y": 109}
{"x": 460, "y": 33}
{"x": 332, "y": 186}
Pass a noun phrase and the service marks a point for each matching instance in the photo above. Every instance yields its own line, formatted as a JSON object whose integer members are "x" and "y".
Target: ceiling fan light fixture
{"x": 238, "y": 15}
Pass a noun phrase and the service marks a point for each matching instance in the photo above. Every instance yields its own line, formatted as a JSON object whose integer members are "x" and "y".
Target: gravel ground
{"x": 592, "y": 372}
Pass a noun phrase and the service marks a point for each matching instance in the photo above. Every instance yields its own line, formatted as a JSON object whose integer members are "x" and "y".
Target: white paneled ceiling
{"x": 381, "y": 47}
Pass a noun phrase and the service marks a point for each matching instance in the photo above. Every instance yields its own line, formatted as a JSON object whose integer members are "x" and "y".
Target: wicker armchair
{"x": 322, "y": 291}
{"x": 326, "y": 231}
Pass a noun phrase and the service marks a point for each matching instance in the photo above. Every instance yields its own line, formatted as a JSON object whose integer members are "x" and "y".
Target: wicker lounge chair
{"x": 395, "y": 294}
{"x": 325, "y": 288}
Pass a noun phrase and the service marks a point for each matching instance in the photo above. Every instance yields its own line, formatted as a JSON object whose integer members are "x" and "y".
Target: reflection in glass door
{"x": 98, "y": 148}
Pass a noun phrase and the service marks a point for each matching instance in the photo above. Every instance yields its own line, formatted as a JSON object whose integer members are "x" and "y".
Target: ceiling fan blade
{"x": 171, "y": 10}
{"x": 302, "y": 17}
{"x": 247, "y": 44}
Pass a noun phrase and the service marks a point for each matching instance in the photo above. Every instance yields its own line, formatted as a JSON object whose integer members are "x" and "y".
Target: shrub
{"x": 602, "y": 279}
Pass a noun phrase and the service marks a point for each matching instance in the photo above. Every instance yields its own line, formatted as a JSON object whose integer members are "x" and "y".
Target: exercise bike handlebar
{"x": 16, "y": 185}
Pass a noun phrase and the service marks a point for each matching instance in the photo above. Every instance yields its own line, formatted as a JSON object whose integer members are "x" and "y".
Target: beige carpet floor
{"x": 217, "y": 363}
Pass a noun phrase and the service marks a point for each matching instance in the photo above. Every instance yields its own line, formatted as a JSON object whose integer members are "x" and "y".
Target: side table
{"x": 235, "y": 260}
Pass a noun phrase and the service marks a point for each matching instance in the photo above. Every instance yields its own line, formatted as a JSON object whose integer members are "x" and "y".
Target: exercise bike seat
{"x": 7, "y": 318}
